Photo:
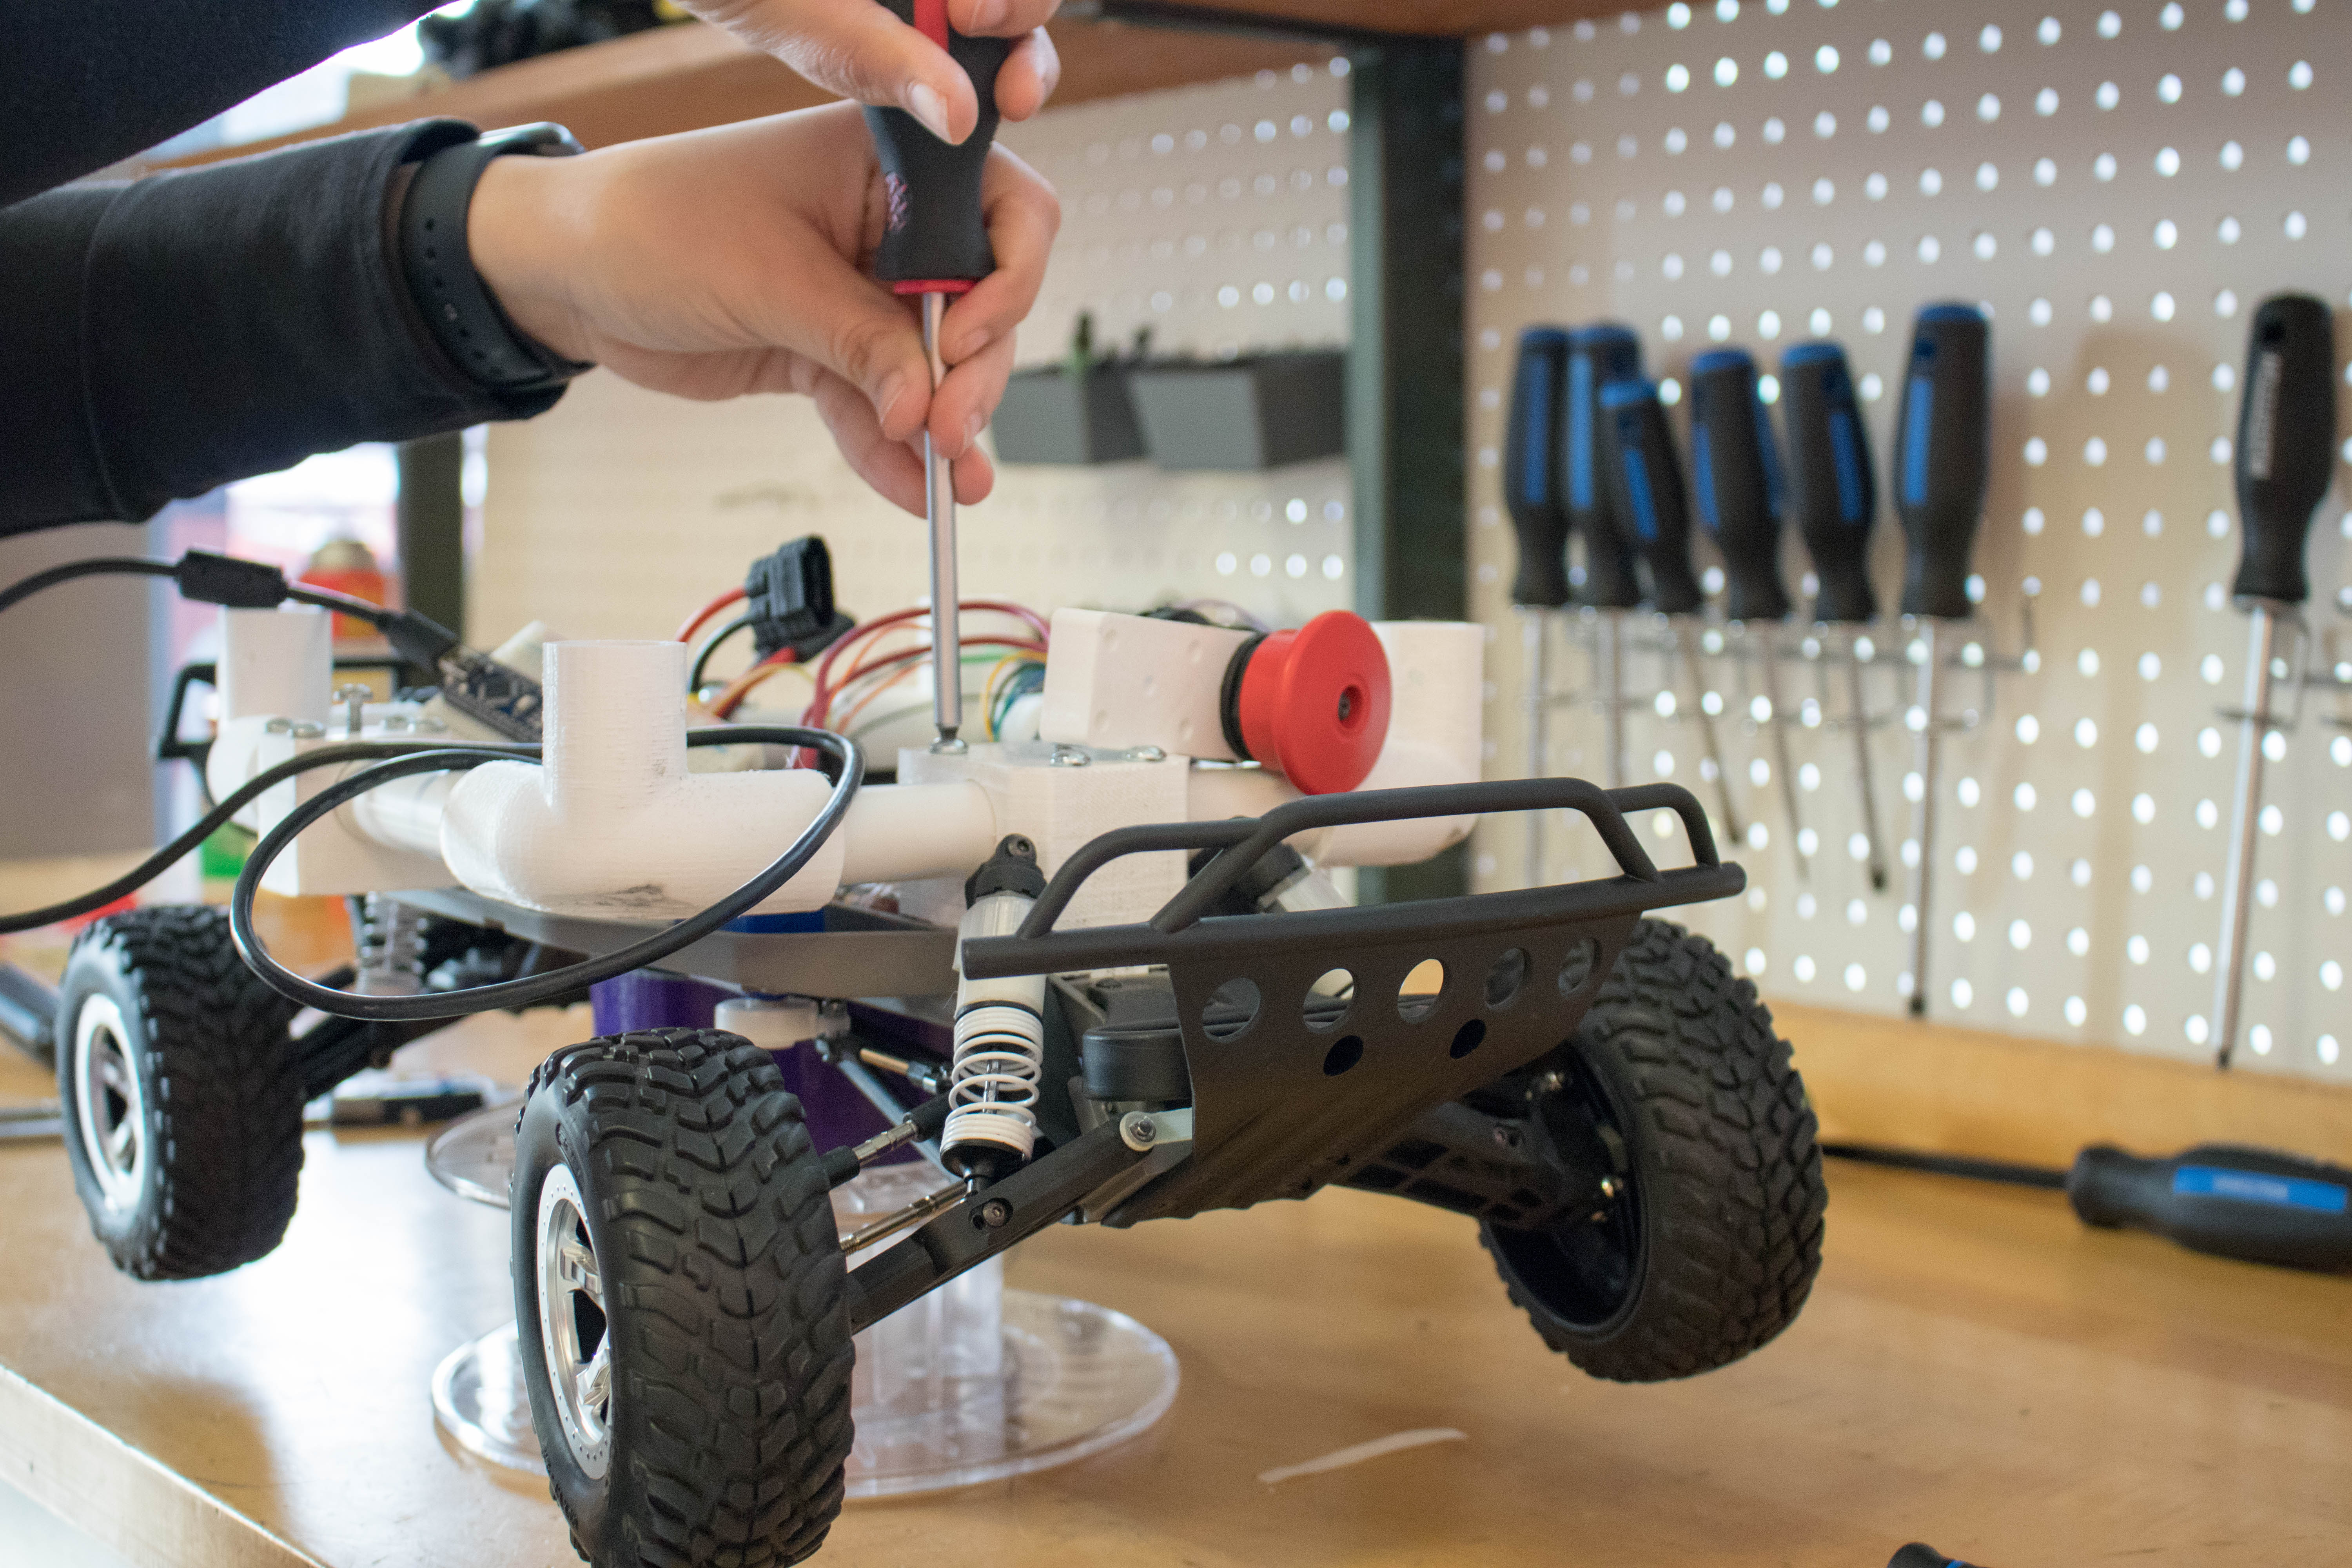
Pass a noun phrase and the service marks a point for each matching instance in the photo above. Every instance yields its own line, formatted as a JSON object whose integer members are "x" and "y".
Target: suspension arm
{"x": 987, "y": 1223}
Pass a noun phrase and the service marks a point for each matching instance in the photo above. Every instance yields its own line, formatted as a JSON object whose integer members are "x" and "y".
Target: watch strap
{"x": 437, "y": 261}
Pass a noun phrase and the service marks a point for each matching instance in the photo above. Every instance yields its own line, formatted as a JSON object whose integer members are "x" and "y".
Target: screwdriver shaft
{"x": 1686, "y": 637}
{"x": 1768, "y": 651}
{"x": 1534, "y": 628}
{"x": 1874, "y": 843}
{"x": 1923, "y": 815}
{"x": 940, "y": 508}
{"x": 2237, "y": 889}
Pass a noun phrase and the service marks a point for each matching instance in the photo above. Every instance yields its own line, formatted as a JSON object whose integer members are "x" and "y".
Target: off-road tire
{"x": 706, "y": 1205}
{"x": 1719, "y": 1192}
{"x": 221, "y": 1093}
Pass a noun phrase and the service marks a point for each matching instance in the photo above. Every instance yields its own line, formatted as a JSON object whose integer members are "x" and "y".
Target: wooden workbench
{"x": 1975, "y": 1370}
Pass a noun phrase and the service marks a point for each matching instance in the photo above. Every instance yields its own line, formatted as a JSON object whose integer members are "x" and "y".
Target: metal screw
{"x": 307, "y": 730}
{"x": 1610, "y": 1187}
{"x": 996, "y": 1214}
{"x": 279, "y": 726}
{"x": 1070, "y": 757}
{"x": 1144, "y": 1130}
{"x": 948, "y": 746}
{"x": 354, "y": 699}
{"x": 1146, "y": 754}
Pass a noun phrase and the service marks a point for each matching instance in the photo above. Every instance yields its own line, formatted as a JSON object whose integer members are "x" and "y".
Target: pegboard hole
{"x": 1468, "y": 1038}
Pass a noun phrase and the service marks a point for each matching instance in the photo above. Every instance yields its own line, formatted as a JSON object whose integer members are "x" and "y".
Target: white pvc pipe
{"x": 899, "y": 833}
{"x": 277, "y": 664}
{"x": 621, "y": 744}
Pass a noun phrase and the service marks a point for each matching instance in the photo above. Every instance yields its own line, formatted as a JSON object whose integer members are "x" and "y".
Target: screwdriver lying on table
{"x": 2257, "y": 1205}
{"x": 1646, "y": 476}
{"x": 2287, "y": 453}
{"x": 1835, "y": 495}
{"x": 1535, "y": 494}
{"x": 1736, "y": 468}
{"x": 935, "y": 244}
{"x": 1941, "y": 451}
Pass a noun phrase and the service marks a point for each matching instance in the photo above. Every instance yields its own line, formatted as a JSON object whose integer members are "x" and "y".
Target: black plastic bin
{"x": 1051, "y": 417}
{"x": 1244, "y": 414}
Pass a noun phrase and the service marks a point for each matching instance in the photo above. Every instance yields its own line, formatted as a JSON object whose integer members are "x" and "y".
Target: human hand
{"x": 732, "y": 260}
{"x": 859, "y": 49}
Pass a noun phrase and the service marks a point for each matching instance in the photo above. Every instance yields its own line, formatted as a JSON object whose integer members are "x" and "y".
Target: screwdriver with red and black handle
{"x": 934, "y": 245}
{"x": 1942, "y": 450}
{"x": 1598, "y": 355}
{"x": 2286, "y": 456}
{"x": 1535, "y": 494}
{"x": 1645, "y": 480}
{"x": 1735, "y": 471}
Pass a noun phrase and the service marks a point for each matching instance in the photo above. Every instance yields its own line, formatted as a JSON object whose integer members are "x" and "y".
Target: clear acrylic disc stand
{"x": 971, "y": 1384}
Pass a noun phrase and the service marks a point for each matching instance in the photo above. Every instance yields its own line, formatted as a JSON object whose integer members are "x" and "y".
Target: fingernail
{"x": 972, "y": 429}
{"x": 988, "y": 14}
{"x": 929, "y": 107}
{"x": 892, "y": 385}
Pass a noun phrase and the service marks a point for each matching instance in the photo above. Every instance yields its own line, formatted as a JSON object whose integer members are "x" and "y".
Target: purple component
{"x": 647, "y": 999}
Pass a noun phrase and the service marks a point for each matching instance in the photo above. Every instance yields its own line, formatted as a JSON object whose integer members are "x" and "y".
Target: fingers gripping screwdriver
{"x": 1596, "y": 356}
{"x": 1835, "y": 493}
{"x": 1535, "y": 494}
{"x": 2286, "y": 430}
{"x": 1736, "y": 470}
{"x": 935, "y": 244}
{"x": 1942, "y": 448}
{"x": 1646, "y": 475}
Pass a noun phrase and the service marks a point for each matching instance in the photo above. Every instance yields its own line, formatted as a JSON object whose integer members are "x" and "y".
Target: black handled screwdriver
{"x": 1534, "y": 494}
{"x": 935, "y": 244}
{"x": 1736, "y": 470}
{"x": 1942, "y": 449}
{"x": 1834, "y": 491}
{"x": 2286, "y": 434}
{"x": 1645, "y": 478}
{"x": 1596, "y": 356}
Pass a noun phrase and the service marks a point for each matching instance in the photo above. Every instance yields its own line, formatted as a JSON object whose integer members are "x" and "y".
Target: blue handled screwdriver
{"x": 1942, "y": 449}
{"x": 1736, "y": 470}
{"x": 1646, "y": 476}
{"x": 1596, "y": 356}
{"x": 1534, "y": 494}
{"x": 1834, "y": 493}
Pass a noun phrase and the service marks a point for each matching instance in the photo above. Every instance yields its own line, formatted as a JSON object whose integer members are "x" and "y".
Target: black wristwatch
{"x": 435, "y": 258}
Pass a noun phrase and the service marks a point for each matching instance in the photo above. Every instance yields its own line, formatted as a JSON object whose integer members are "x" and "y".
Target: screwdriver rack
{"x": 2118, "y": 198}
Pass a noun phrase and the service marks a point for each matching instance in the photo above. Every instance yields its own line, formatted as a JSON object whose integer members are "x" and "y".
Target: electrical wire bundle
{"x": 869, "y": 659}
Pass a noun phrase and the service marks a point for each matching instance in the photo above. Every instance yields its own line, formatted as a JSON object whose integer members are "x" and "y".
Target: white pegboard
{"x": 1216, "y": 215}
{"x": 2118, "y": 187}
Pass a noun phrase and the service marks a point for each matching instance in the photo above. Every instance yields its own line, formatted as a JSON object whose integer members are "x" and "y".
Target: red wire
{"x": 732, "y": 597}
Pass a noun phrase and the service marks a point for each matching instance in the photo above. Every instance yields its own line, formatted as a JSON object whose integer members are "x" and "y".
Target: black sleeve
{"x": 160, "y": 338}
{"x": 89, "y": 83}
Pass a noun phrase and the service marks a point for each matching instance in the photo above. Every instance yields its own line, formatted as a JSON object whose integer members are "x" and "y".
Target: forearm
{"x": 163, "y": 337}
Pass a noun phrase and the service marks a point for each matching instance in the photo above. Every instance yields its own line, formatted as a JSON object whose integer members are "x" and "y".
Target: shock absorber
{"x": 1000, "y": 1029}
{"x": 389, "y": 938}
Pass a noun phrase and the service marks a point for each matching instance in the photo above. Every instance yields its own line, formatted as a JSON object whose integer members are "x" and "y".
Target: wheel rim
{"x": 109, "y": 1103}
{"x": 572, "y": 1338}
{"x": 1586, "y": 1271}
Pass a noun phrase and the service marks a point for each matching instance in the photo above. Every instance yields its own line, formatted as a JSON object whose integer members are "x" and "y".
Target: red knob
{"x": 1313, "y": 703}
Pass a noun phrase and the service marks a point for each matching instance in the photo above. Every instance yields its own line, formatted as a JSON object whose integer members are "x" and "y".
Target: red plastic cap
{"x": 1314, "y": 702}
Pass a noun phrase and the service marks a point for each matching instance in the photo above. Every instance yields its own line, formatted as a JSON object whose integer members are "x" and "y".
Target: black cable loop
{"x": 554, "y": 983}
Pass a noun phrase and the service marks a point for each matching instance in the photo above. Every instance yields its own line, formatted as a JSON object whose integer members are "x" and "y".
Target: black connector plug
{"x": 789, "y": 600}
{"x": 205, "y": 578}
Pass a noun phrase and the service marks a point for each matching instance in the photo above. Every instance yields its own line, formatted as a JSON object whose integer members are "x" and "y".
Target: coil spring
{"x": 391, "y": 943}
{"x": 1000, "y": 1051}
